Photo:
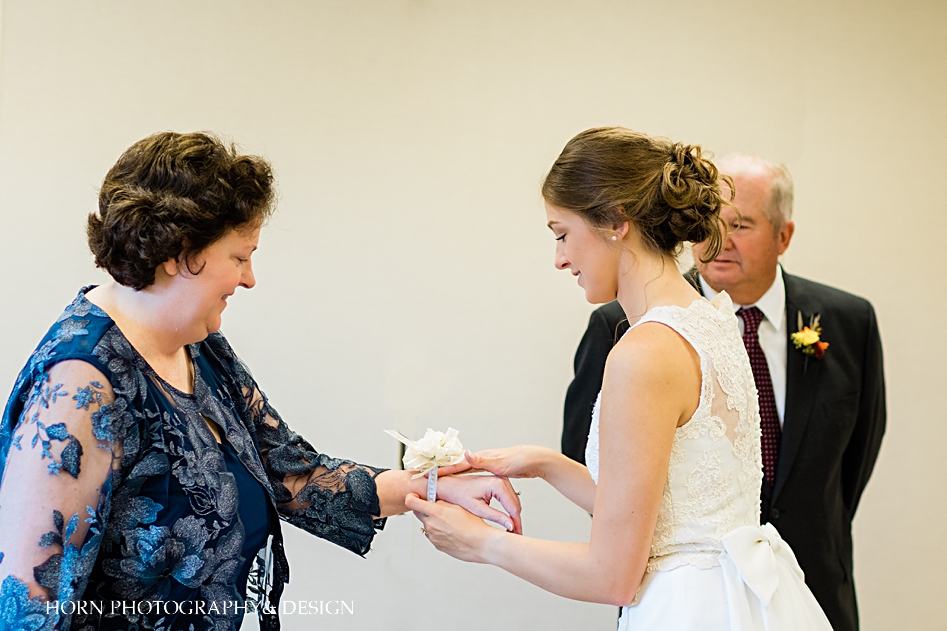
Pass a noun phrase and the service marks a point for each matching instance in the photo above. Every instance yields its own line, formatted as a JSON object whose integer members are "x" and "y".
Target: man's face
{"x": 746, "y": 265}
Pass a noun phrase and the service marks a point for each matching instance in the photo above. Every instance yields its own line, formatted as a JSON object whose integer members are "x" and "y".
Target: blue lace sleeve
{"x": 328, "y": 497}
{"x": 54, "y": 495}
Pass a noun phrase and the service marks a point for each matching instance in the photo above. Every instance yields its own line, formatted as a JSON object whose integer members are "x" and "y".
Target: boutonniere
{"x": 808, "y": 339}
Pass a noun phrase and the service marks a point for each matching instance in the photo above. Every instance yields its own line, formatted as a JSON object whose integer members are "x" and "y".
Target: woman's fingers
{"x": 488, "y": 488}
{"x": 472, "y": 459}
{"x": 472, "y": 463}
{"x": 458, "y": 532}
{"x": 463, "y": 465}
{"x": 510, "y": 502}
{"x": 505, "y": 462}
{"x": 489, "y": 513}
{"x": 512, "y": 462}
{"x": 421, "y": 508}
{"x": 482, "y": 461}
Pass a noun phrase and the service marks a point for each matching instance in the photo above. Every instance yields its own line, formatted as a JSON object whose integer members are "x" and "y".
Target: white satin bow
{"x": 754, "y": 551}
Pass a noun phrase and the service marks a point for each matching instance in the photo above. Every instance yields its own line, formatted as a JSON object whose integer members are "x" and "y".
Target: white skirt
{"x": 758, "y": 586}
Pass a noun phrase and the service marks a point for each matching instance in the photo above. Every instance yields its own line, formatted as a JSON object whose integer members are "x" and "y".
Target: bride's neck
{"x": 647, "y": 280}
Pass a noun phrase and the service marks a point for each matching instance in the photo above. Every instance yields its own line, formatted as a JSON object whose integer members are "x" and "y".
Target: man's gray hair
{"x": 779, "y": 209}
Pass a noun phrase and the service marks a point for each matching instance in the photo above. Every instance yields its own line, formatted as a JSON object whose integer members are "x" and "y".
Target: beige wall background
{"x": 407, "y": 279}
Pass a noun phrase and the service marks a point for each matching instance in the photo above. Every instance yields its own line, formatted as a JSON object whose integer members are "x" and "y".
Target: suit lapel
{"x": 802, "y": 383}
{"x": 693, "y": 278}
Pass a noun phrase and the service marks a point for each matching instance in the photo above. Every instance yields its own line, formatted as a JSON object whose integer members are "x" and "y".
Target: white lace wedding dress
{"x": 712, "y": 566}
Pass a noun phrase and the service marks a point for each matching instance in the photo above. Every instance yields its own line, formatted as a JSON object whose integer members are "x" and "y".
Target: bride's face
{"x": 585, "y": 252}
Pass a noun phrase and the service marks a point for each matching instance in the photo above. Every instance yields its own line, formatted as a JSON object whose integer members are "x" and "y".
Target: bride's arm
{"x": 651, "y": 381}
{"x": 572, "y": 479}
{"x": 567, "y": 476}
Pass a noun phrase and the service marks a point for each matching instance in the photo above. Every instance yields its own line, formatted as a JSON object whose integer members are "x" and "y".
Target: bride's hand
{"x": 522, "y": 461}
{"x": 475, "y": 493}
{"x": 452, "y": 529}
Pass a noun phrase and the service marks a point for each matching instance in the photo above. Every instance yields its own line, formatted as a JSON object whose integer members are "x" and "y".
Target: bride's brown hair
{"x": 668, "y": 190}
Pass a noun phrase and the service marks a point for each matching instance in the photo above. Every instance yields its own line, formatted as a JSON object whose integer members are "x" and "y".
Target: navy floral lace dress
{"x": 137, "y": 517}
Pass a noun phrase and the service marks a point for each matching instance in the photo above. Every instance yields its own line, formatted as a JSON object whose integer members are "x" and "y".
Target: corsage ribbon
{"x": 435, "y": 449}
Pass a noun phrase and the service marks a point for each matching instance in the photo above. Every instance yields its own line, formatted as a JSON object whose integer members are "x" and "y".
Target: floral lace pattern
{"x": 90, "y": 409}
{"x": 715, "y": 472}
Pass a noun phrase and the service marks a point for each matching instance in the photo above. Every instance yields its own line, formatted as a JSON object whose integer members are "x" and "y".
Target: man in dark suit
{"x": 822, "y": 412}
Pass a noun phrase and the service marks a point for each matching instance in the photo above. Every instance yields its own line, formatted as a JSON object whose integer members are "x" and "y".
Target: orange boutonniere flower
{"x": 808, "y": 338}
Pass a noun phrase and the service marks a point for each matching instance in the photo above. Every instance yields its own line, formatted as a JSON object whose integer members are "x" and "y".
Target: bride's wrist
{"x": 545, "y": 464}
{"x": 491, "y": 547}
{"x": 548, "y": 463}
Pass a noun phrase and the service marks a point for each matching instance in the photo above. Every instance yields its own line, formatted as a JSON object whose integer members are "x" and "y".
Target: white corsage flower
{"x": 435, "y": 449}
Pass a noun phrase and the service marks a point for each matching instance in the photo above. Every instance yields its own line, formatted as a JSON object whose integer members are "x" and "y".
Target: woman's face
{"x": 584, "y": 252}
{"x": 201, "y": 298}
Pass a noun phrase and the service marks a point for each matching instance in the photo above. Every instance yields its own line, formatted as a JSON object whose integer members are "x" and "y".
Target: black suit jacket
{"x": 834, "y": 421}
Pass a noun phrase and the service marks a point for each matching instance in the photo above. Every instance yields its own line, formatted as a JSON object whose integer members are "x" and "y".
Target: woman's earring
{"x": 614, "y": 237}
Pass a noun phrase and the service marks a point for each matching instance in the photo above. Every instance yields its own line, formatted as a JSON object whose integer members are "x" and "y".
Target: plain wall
{"x": 407, "y": 279}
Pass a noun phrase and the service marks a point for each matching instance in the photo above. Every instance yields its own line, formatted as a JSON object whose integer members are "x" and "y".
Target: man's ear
{"x": 784, "y": 236}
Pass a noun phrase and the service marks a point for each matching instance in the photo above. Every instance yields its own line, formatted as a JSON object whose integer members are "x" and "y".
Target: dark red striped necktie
{"x": 769, "y": 420}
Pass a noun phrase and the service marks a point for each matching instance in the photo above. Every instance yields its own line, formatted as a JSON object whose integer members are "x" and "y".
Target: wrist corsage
{"x": 435, "y": 449}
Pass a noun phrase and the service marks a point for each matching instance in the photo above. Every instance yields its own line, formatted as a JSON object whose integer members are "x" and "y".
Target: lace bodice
{"x": 715, "y": 473}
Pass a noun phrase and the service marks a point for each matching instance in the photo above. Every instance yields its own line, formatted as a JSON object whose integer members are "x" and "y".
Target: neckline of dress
{"x": 192, "y": 398}
{"x": 151, "y": 371}
{"x": 699, "y": 300}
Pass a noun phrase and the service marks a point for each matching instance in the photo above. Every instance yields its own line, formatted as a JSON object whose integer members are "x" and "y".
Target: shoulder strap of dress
{"x": 671, "y": 316}
{"x": 685, "y": 322}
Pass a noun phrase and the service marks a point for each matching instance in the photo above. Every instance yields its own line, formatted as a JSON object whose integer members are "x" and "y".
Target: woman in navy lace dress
{"x": 144, "y": 472}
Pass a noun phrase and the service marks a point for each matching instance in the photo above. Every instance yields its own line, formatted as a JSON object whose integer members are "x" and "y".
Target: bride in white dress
{"x": 674, "y": 467}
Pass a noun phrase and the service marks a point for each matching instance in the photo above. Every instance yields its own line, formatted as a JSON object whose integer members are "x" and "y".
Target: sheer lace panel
{"x": 52, "y": 489}
{"x": 715, "y": 469}
{"x": 308, "y": 486}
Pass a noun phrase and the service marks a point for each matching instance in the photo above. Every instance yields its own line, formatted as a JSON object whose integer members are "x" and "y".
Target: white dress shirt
{"x": 772, "y": 333}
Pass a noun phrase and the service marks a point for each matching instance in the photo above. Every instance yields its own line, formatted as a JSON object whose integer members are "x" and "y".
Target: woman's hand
{"x": 522, "y": 461}
{"x": 474, "y": 493}
{"x": 453, "y": 530}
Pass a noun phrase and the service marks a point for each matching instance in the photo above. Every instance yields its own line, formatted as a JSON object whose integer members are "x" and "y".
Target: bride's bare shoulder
{"x": 652, "y": 353}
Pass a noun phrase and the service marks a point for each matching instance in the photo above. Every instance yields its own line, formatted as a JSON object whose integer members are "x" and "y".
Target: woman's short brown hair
{"x": 171, "y": 195}
{"x": 667, "y": 190}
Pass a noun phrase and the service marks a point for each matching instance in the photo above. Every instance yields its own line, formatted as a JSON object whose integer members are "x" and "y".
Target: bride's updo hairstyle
{"x": 667, "y": 190}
